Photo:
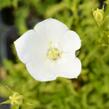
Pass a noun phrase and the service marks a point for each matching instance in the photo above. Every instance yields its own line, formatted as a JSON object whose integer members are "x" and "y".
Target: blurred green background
{"x": 91, "y": 89}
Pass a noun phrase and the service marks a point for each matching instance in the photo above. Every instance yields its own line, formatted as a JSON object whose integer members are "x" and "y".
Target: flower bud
{"x": 98, "y": 16}
{"x": 16, "y": 99}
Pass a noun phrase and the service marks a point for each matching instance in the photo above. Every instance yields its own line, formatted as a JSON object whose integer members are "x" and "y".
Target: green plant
{"x": 91, "y": 89}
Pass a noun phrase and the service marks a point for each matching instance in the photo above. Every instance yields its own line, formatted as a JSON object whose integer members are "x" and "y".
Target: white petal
{"x": 42, "y": 70}
{"x": 69, "y": 67}
{"x": 31, "y": 46}
{"x": 70, "y": 41}
{"x": 52, "y": 28}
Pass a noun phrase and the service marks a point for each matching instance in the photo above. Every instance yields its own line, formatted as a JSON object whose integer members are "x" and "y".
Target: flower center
{"x": 54, "y": 54}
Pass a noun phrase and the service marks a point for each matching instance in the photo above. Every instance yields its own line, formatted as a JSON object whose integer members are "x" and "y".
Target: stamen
{"x": 54, "y": 54}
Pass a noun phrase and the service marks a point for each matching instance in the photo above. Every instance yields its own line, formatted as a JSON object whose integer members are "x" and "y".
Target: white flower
{"x": 48, "y": 51}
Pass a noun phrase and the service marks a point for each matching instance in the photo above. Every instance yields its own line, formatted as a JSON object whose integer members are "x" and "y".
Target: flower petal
{"x": 69, "y": 67}
{"x": 70, "y": 41}
{"x": 53, "y": 29}
{"x": 31, "y": 45}
{"x": 42, "y": 70}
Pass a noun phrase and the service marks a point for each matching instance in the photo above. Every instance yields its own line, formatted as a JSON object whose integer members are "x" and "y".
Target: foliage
{"x": 91, "y": 89}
